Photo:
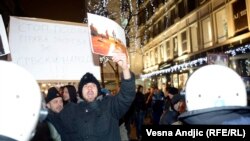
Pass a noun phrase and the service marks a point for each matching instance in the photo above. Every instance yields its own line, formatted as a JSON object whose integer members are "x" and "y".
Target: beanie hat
{"x": 88, "y": 78}
{"x": 52, "y": 93}
{"x": 173, "y": 90}
{"x": 177, "y": 98}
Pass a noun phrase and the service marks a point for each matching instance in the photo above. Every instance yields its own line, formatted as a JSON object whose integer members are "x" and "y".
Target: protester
{"x": 45, "y": 129}
{"x": 55, "y": 105}
{"x": 157, "y": 105}
{"x": 98, "y": 119}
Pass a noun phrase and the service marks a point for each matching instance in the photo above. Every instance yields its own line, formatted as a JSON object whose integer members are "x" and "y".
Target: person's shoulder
{"x": 106, "y": 99}
{"x": 69, "y": 107}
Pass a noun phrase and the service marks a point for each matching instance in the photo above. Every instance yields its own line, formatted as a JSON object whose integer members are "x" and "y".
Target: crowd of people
{"x": 214, "y": 95}
{"x": 93, "y": 113}
{"x": 159, "y": 107}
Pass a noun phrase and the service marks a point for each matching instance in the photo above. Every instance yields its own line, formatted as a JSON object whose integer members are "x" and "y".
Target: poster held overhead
{"x": 107, "y": 37}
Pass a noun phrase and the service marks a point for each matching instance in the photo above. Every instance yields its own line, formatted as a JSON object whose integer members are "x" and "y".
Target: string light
{"x": 232, "y": 52}
{"x": 176, "y": 67}
{"x": 240, "y": 50}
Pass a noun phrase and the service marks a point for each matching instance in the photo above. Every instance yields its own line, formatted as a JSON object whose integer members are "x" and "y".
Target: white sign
{"x": 4, "y": 45}
{"x": 52, "y": 50}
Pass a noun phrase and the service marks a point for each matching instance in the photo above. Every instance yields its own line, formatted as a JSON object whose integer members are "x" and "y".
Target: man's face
{"x": 89, "y": 92}
{"x": 55, "y": 105}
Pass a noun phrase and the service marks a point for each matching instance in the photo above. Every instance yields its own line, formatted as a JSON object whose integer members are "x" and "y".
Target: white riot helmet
{"x": 215, "y": 86}
{"x": 20, "y": 102}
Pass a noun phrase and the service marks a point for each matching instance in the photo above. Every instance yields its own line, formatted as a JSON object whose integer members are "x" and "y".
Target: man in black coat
{"x": 96, "y": 119}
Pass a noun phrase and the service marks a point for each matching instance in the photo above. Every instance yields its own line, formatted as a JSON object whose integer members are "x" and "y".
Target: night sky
{"x": 64, "y": 10}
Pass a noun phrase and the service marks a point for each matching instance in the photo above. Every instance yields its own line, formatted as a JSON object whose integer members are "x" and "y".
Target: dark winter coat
{"x": 140, "y": 102}
{"x": 42, "y": 132}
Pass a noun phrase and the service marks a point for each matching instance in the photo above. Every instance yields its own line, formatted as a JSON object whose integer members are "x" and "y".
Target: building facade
{"x": 179, "y": 36}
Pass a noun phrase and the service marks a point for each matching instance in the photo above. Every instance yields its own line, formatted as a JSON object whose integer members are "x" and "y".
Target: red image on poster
{"x": 107, "y": 37}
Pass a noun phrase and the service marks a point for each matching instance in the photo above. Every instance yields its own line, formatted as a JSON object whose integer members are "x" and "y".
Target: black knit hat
{"x": 177, "y": 98}
{"x": 52, "y": 93}
{"x": 88, "y": 78}
{"x": 173, "y": 90}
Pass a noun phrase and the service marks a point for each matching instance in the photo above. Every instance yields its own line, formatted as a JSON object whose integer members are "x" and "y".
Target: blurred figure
{"x": 170, "y": 113}
{"x": 147, "y": 93}
{"x": 157, "y": 105}
{"x": 69, "y": 94}
{"x": 140, "y": 110}
{"x": 105, "y": 92}
{"x": 127, "y": 120}
{"x": 179, "y": 107}
{"x": 216, "y": 94}
{"x": 61, "y": 90}
{"x": 149, "y": 110}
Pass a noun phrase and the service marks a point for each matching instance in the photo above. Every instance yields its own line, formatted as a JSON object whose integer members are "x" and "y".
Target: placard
{"x": 107, "y": 37}
{"x": 52, "y": 50}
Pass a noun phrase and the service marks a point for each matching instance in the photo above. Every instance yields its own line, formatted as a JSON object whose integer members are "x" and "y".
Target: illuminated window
{"x": 168, "y": 50}
{"x": 221, "y": 25}
{"x": 175, "y": 46}
{"x": 194, "y": 37}
{"x": 207, "y": 32}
